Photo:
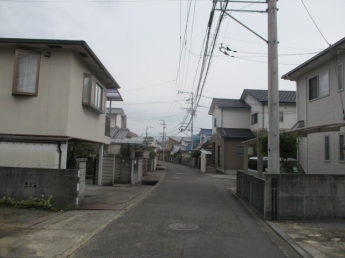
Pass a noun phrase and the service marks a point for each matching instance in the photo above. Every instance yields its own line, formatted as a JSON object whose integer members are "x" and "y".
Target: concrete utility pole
{"x": 192, "y": 114}
{"x": 273, "y": 90}
{"x": 273, "y": 85}
{"x": 164, "y": 124}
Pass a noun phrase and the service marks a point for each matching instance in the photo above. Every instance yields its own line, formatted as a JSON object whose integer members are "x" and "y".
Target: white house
{"x": 118, "y": 117}
{"x": 320, "y": 110}
{"x": 238, "y": 120}
{"x": 52, "y": 92}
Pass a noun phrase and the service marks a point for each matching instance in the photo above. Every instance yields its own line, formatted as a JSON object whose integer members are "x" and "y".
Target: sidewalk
{"x": 310, "y": 238}
{"x": 36, "y": 235}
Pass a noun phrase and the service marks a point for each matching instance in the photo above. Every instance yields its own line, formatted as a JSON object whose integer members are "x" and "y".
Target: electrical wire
{"x": 148, "y": 86}
{"x": 315, "y": 23}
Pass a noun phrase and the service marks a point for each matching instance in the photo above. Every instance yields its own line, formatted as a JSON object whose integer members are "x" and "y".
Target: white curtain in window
{"x": 26, "y": 77}
{"x": 86, "y": 90}
{"x": 323, "y": 84}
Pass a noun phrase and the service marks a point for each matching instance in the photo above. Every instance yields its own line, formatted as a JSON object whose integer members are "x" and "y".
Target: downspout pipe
{"x": 60, "y": 154}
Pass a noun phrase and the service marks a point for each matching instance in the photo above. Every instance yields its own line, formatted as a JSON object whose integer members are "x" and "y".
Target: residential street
{"x": 220, "y": 224}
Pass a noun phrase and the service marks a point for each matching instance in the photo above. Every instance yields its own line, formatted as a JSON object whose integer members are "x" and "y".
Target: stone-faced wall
{"x": 63, "y": 184}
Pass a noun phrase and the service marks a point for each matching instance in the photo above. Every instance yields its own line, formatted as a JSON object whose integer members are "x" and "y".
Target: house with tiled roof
{"x": 321, "y": 110}
{"x": 238, "y": 120}
{"x": 258, "y": 102}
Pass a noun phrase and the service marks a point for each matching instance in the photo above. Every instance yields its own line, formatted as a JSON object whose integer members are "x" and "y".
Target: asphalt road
{"x": 226, "y": 227}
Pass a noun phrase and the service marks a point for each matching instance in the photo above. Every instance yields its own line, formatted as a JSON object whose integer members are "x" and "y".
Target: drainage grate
{"x": 183, "y": 226}
{"x": 150, "y": 182}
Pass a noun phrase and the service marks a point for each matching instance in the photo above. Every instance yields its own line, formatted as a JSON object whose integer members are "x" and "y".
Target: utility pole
{"x": 192, "y": 114}
{"x": 147, "y": 128}
{"x": 164, "y": 124}
{"x": 273, "y": 80}
{"x": 273, "y": 90}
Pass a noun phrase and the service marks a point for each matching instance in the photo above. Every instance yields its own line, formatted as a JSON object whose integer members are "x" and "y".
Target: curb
{"x": 37, "y": 221}
{"x": 275, "y": 228}
{"x": 289, "y": 240}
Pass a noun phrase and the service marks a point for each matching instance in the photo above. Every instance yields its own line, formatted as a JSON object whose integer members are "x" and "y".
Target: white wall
{"x": 231, "y": 118}
{"x": 289, "y": 110}
{"x": 326, "y": 110}
{"x": 33, "y": 155}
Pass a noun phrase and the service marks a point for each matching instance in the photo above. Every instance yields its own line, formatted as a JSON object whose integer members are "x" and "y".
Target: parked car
{"x": 286, "y": 166}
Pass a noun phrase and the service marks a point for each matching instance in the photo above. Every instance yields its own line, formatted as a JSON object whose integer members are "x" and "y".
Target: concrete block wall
{"x": 251, "y": 189}
{"x": 108, "y": 169}
{"x": 81, "y": 166}
{"x": 307, "y": 196}
{"x": 62, "y": 184}
{"x": 123, "y": 170}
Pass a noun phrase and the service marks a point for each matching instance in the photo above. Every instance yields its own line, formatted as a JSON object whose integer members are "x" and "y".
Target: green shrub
{"x": 288, "y": 145}
{"x": 33, "y": 203}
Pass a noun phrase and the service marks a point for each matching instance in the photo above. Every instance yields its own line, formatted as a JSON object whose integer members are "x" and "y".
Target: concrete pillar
{"x": 100, "y": 164}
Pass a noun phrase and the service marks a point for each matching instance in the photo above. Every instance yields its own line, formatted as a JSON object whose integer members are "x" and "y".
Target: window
{"x": 327, "y": 156}
{"x": 281, "y": 117}
{"x": 341, "y": 147}
{"x": 216, "y": 122}
{"x": 26, "y": 72}
{"x": 255, "y": 118}
{"x": 93, "y": 94}
{"x": 240, "y": 150}
{"x": 340, "y": 77}
{"x": 319, "y": 86}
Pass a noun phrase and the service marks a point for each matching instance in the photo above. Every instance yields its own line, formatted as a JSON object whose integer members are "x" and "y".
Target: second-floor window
{"x": 254, "y": 118}
{"x": 281, "y": 117}
{"x": 215, "y": 123}
{"x": 340, "y": 76}
{"x": 93, "y": 94}
{"x": 319, "y": 86}
{"x": 341, "y": 147}
{"x": 26, "y": 73}
{"x": 327, "y": 148}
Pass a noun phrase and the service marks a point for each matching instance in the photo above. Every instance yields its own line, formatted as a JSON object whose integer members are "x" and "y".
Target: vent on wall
{"x": 83, "y": 55}
{"x": 30, "y": 184}
{"x": 55, "y": 46}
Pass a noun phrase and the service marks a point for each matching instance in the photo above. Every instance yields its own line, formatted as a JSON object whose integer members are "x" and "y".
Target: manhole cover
{"x": 183, "y": 226}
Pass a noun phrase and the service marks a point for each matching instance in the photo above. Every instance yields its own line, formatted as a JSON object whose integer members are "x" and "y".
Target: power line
{"x": 147, "y": 86}
{"x": 315, "y": 23}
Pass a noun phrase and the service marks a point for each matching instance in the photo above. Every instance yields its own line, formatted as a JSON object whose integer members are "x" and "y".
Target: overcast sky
{"x": 139, "y": 42}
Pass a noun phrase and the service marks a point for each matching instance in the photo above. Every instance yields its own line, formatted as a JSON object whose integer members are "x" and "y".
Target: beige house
{"x": 238, "y": 120}
{"x": 320, "y": 110}
{"x": 52, "y": 92}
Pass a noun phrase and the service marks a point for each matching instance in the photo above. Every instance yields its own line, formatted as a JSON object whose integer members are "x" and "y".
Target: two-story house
{"x": 205, "y": 135}
{"x": 238, "y": 120}
{"x": 118, "y": 117}
{"x": 320, "y": 110}
{"x": 52, "y": 92}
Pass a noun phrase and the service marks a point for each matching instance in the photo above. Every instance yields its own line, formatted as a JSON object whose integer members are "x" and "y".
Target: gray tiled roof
{"x": 262, "y": 95}
{"x": 230, "y": 103}
{"x": 118, "y": 133}
{"x": 235, "y": 133}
